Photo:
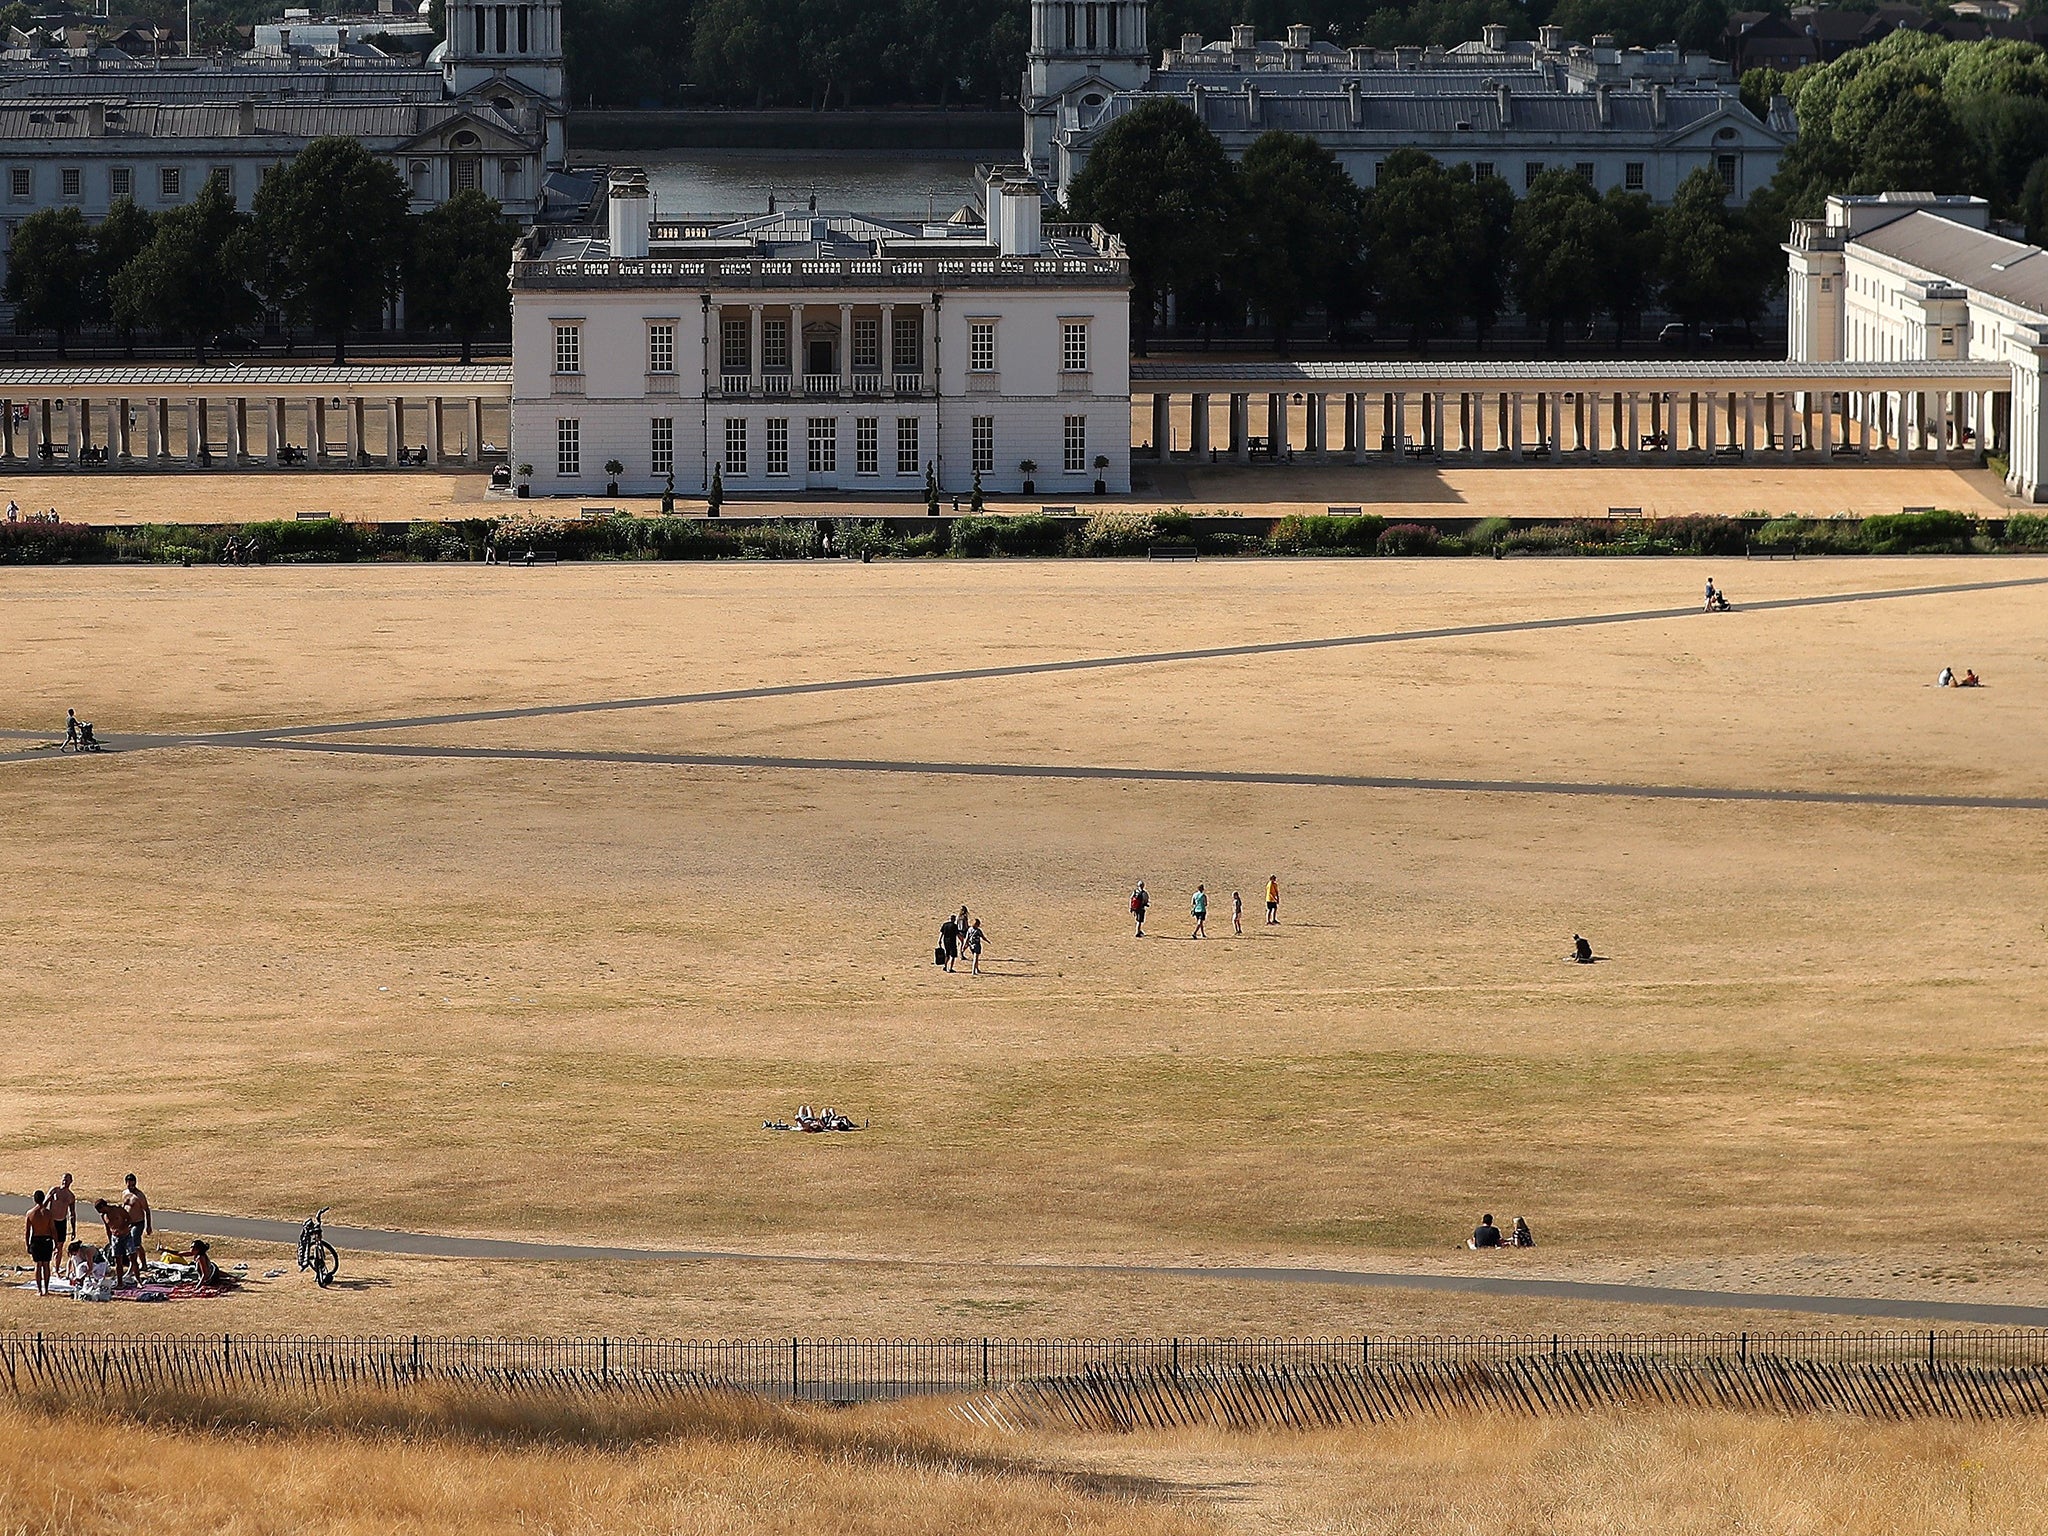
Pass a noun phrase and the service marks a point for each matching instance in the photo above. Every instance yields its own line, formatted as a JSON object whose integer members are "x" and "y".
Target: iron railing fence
{"x": 858, "y": 1370}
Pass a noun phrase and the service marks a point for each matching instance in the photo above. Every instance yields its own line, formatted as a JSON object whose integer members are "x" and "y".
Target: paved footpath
{"x": 429, "y": 1245}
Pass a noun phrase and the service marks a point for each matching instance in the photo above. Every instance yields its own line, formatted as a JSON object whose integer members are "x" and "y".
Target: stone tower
{"x": 520, "y": 41}
{"x": 1081, "y": 51}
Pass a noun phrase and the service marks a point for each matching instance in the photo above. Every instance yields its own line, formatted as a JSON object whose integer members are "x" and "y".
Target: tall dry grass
{"x": 1672, "y": 1474}
{"x": 456, "y": 1465}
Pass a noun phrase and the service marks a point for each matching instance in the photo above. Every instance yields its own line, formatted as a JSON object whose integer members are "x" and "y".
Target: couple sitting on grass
{"x": 1487, "y": 1235}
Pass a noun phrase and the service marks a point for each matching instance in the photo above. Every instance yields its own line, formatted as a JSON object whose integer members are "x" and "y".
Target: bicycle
{"x": 316, "y": 1253}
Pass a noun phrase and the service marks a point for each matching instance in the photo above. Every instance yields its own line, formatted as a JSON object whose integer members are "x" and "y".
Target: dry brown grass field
{"x": 556, "y": 995}
{"x": 454, "y": 1465}
{"x": 557, "y": 998}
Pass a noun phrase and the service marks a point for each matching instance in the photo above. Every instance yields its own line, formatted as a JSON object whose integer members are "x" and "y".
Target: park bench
{"x": 597, "y": 514}
{"x": 1634, "y": 514}
{"x": 1344, "y": 511}
{"x": 1172, "y": 552}
{"x": 1776, "y": 549}
{"x": 1059, "y": 511}
{"x": 531, "y": 557}
{"x": 313, "y": 517}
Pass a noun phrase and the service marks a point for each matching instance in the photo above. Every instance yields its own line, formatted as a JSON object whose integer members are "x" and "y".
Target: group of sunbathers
{"x": 1948, "y": 678}
{"x": 95, "y": 1271}
{"x": 808, "y": 1119}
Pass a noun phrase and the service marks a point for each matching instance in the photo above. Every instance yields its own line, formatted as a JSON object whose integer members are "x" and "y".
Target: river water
{"x": 690, "y": 184}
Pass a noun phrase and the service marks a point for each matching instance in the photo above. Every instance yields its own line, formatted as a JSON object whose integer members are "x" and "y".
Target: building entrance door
{"x": 819, "y": 361}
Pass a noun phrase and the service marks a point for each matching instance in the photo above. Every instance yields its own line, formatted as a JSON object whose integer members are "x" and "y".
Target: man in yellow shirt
{"x": 1272, "y": 900}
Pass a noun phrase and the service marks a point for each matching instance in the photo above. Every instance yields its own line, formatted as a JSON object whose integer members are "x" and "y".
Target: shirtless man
{"x": 122, "y": 1243}
{"x": 41, "y": 1232}
{"x": 64, "y": 1206}
{"x": 136, "y": 1204}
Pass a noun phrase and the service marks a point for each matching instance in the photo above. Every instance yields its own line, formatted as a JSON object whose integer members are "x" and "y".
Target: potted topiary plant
{"x": 1101, "y": 464}
{"x": 525, "y": 473}
{"x": 1030, "y": 469}
{"x": 931, "y": 490}
{"x": 717, "y": 496}
{"x": 613, "y": 468}
{"x": 975, "y": 503}
{"x": 668, "y": 497}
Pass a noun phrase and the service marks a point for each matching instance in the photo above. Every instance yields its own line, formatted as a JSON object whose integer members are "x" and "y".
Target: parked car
{"x": 231, "y": 341}
{"x": 1673, "y": 335}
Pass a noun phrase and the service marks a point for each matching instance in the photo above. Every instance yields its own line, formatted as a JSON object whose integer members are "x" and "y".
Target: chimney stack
{"x": 1505, "y": 101}
{"x": 1657, "y": 104}
{"x": 1020, "y": 219}
{"x": 1494, "y": 37}
{"x": 629, "y": 210}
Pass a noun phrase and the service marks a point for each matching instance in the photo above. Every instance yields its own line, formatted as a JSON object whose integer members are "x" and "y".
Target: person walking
{"x": 1198, "y": 906}
{"x": 64, "y": 1207}
{"x": 949, "y": 939}
{"x": 1237, "y": 913}
{"x": 71, "y": 728}
{"x": 1272, "y": 901}
{"x": 974, "y": 942}
{"x": 40, "y": 1231}
{"x": 1140, "y": 901}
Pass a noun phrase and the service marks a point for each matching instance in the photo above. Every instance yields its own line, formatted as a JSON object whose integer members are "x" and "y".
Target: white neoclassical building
{"x": 1907, "y": 277}
{"x": 806, "y": 351}
{"x": 485, "y": 112}
{"x": 1634, "y": 119}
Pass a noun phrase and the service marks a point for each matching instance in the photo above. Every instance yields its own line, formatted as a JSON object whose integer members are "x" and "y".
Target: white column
{"x": 352, "y": 430}
{"x": 235, "y": 426}
{"x": 476, "y": 430}
{"x": 274, "y": 411}
{"x": 316, "y": 431}
{"x": 1941, "y": 424}
{"x": 846, "y": 349}
{"x": 394, "y": 441}
{"x": 1635, "y": 436}
{"x": 885, "y": 348}
{"x": 74, "y": 426}
{"x": 195, "y": 428}
{"x": 929, "y": 313}
{"x": 436, "y": 442}
{"x": 1514, "y": 425}
{"x": 1162, "y": 426}
{"x": 1198, "y": 428}
{"x": 754, "y": 348}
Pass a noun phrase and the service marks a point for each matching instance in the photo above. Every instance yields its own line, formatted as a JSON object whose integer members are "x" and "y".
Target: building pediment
{"x": 1730, "y": 128}
{"x": 444, "y": 138}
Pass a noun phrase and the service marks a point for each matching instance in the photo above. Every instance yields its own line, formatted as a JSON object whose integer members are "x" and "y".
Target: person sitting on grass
{"x": 1947, "y": 678}
{"x": 1486, "y": 1234}
{"x": 1582, "y": 949}
{"x": 1521, "y": 1236}
{"x": 1970, "y": 679}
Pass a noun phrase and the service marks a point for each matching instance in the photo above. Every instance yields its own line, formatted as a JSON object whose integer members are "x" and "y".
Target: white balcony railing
{"x": 821, "y": 384}
{"x": 867, "y": 386}
{"x": 734, "y": 384}
{"x": 775, "y": 386}
{"x": 909, "y": 383}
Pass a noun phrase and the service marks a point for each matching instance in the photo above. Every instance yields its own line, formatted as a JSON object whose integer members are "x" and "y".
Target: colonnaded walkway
{"x": 250, "y": 1229}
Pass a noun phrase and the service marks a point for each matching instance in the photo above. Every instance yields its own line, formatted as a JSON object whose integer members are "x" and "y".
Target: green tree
{"x": 1634, "y": 255}
{"x": 2033, "y": 205}
{"x": 1759, "y": 86}
{"x": 1914, "y": 144}
{"x": 1702, "y": 253}
{"x": 16, "y": 15}
{"x": 1488, "y": 233}
{"x": 121, "y": 236}
{"x": 49, "y": 273}
{"x": 462, "y": 253}
{"x": 1161, "y": 180}
{"x": 1303, "y": 234}
{"x": 1426, "y": 244}
{"x": 192, "y": 278}
{"x": 1560, "y": 252}
{"x": 332, "y": 227}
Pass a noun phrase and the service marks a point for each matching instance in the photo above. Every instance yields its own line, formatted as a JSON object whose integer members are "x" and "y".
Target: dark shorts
{"x": 127, "y": 1245}
{"x": 42, "y": 1249}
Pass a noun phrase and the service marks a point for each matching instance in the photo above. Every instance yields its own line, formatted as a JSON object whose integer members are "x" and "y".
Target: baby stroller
{"x": 87, "y": 742}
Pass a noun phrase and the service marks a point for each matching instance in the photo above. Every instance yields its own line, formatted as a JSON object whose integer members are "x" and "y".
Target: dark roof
{"x": 1975, "y": 258}
{"x": 1478, "y": 111}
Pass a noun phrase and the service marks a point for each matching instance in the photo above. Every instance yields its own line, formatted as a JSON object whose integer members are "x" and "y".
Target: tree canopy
{"x": 462, "y": 251}
{"x": 1161, "y": 180}
{"x": 331, "y": 228}
{"x": 1304, "y": 234}
{"x": 192, "y": 278}
{"x": 49, "y": 271}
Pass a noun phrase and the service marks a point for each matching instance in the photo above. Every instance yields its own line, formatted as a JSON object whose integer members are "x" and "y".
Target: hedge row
{"x": 1104, "y": 535}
